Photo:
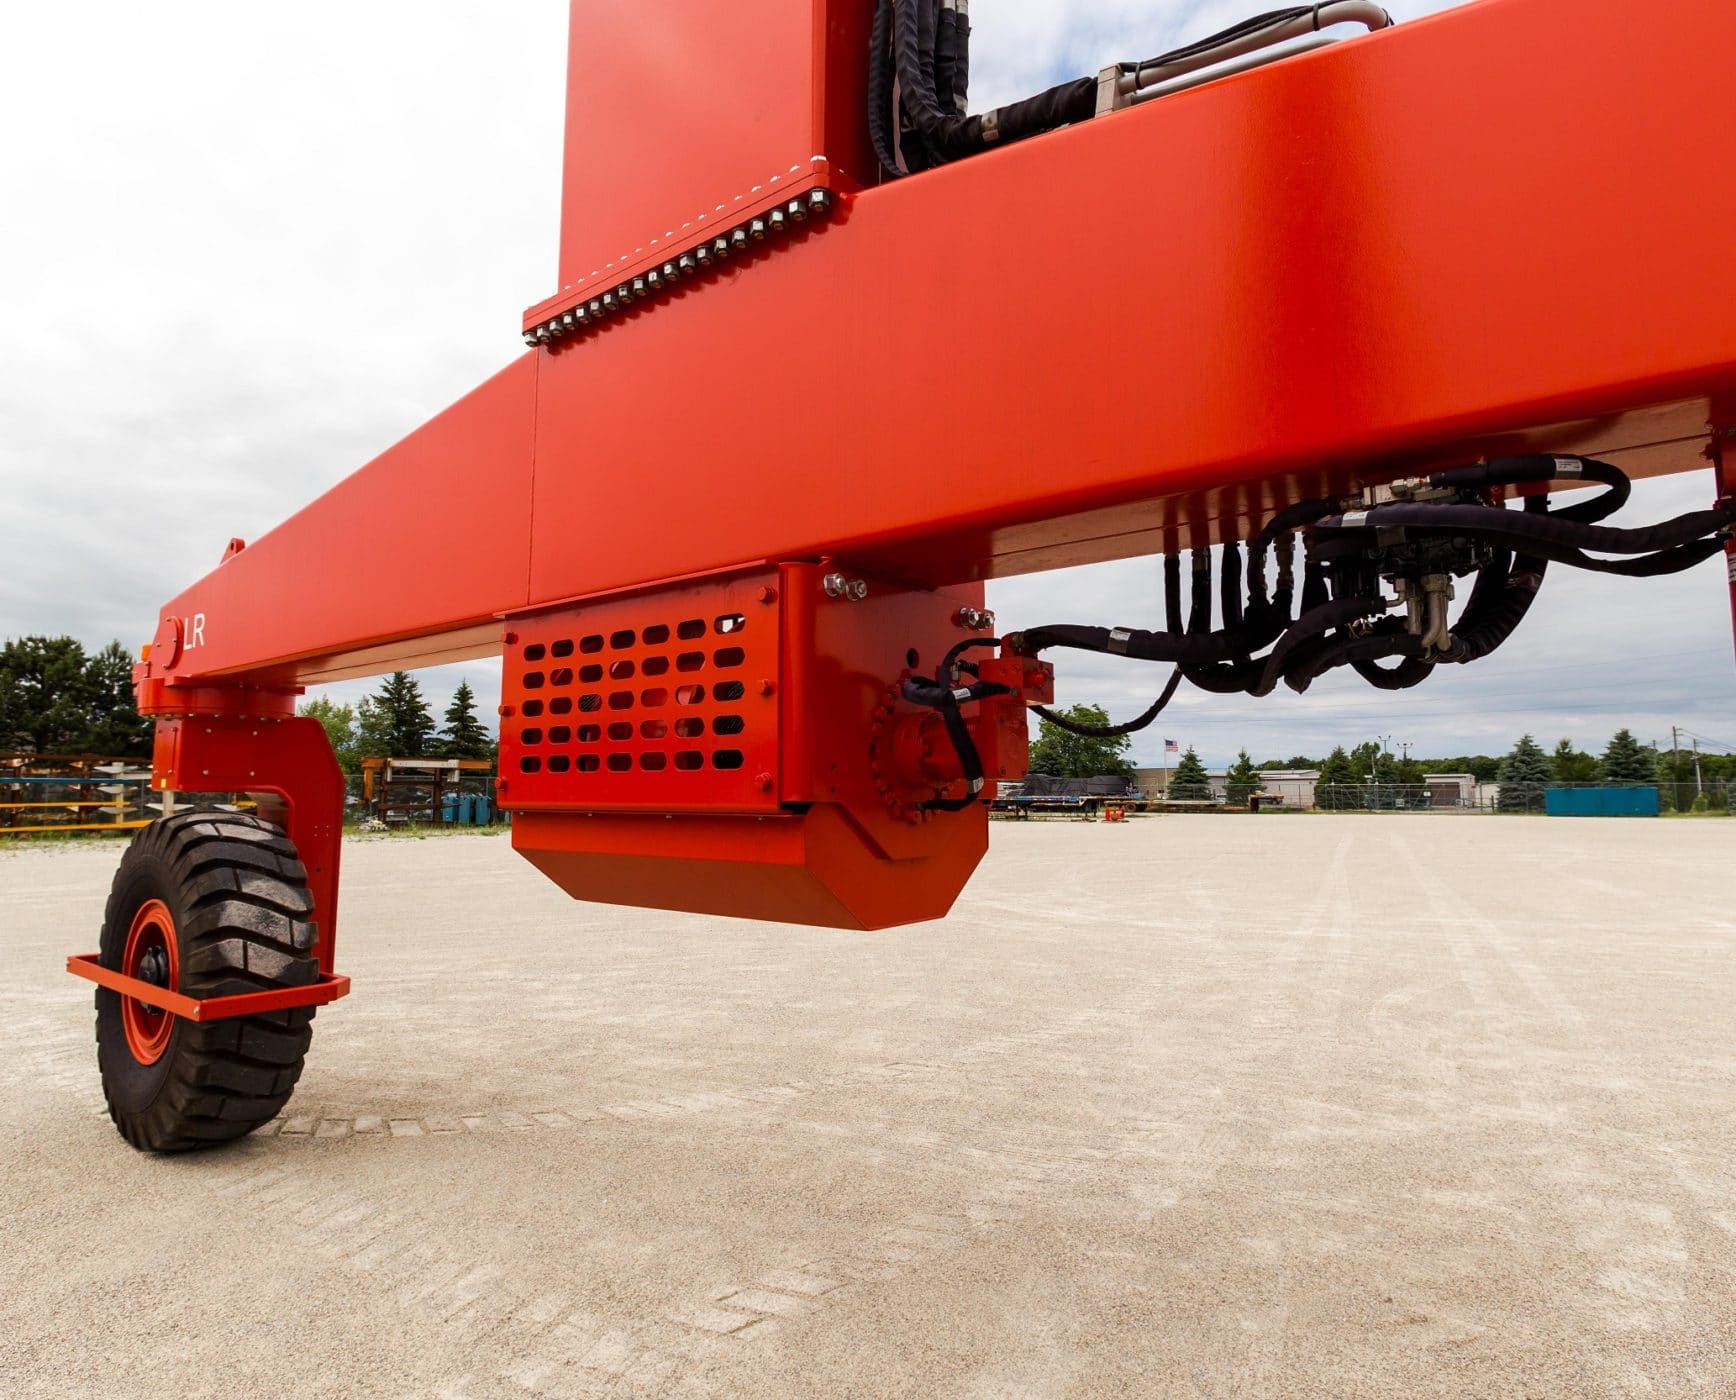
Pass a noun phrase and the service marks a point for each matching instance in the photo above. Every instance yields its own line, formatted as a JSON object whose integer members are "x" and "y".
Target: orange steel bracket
{"x": 327, "y": 988}
{"x": 286, "y": 756}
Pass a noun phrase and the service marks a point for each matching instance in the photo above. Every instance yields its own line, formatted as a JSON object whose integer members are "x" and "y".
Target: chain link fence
{"x": 1711, "y": 798}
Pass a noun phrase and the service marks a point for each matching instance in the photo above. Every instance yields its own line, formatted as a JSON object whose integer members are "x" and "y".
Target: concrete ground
{"x": 1192, "y": 1106}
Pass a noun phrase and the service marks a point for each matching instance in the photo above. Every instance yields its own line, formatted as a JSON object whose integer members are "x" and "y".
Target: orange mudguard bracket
{"x": 327, "y": 989}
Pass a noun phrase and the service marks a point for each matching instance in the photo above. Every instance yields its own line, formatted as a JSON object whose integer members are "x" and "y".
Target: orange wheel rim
{"x": 151, "y": 954}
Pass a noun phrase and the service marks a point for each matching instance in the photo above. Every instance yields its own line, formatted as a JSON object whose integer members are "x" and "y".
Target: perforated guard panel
{"x": 660, "y": 701}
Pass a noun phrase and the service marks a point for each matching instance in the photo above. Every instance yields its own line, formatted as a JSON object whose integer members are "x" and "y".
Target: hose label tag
{"x": 1118, "y": 640}
{"x": 1568, "y": 469}
{"x": 1354, "y": 519}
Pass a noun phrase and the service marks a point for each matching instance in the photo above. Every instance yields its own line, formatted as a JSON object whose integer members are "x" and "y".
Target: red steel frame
{"x": 1501, "y": 228}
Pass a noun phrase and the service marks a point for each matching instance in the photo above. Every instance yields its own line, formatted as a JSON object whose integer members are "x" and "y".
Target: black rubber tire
{"x": 239, "y": 898}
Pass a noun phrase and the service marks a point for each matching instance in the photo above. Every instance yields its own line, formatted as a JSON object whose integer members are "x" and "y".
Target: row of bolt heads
{"x": 854, "y": 590}
{"x": 814, "y": 204}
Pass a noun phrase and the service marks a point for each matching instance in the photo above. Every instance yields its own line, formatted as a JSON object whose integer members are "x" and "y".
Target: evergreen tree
{"x": 1334, "y": 791}
{"x": 1064, "y": 755}
{"x": 399, "y": 720}
{"x": 1524, "y": 772}
{"x": 1626, "y": 761}
{"x": 1568, "y": 765}
{"x": 1244, "y": 780}
{"x": 113, "y": 724}
{"x": 1409, "y": 772}
{"x": 373, "y": 736}
{"x": 464, "y": 735}
{"x": 340, "y": 727}
{"x": 43, "y": 695}
{"x": 56, "y": 699}
{"x": 1189, "y": 782}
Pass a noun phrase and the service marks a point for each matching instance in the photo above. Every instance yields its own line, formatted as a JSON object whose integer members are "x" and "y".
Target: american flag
{"x": 1170, "y": 746}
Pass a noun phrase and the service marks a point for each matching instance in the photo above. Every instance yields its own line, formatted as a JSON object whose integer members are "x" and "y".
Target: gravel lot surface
{"x": 1191, "y": 1106}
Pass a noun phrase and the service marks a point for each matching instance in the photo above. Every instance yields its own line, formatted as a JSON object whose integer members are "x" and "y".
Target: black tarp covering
{"x": 1044, "y": 785}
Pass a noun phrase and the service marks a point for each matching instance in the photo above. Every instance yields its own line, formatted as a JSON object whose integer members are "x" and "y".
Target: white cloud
{"x": 245, "y": 248}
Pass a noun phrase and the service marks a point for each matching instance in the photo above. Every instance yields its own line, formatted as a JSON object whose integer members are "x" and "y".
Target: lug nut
{"x": 686, "y": 264}
{"x": 757, "y": 230}
{"x": 776, "y": 220}
{"x": 796, "y": 211}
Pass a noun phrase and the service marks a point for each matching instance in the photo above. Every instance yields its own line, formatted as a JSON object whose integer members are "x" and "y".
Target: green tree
{"x": 1189, "y": 782}
{"x": 1568, "y": 765}
{"x": 1243, "y": 781}
{"x": 1627, "y": 761}
{"x": 373, "y": 733}
{"x": 464, "y": 735}
{"x": 113, "y": 724}
{"x": 1524, "y": 773}
{"x": 44, "y": 695}
{"x": 1334, "y": 790}
{"x": 398, "y": 723}
{"x": 340, "y": 727}
{"x": 1066, "y": 755}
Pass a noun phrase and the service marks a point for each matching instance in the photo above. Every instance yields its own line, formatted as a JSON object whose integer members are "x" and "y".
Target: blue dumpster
{"x": 1601, "y": 802}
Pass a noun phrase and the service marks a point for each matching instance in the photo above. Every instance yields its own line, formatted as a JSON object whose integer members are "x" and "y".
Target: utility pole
{"x": 1675, "y": 762}
{"x": 1699, "y": 782}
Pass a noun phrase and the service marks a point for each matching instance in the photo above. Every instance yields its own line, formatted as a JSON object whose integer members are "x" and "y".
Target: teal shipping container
{"x": 1601, "y": 802}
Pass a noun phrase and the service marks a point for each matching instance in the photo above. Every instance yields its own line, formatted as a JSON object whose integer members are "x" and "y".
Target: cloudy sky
{"x": 245, "y": 247}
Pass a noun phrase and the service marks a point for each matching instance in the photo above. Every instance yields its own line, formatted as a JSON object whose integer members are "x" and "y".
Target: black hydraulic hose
{"x": 881, "y": 119}
{"x": 961, "y": 66}
{"x": 1172, "y": 591}
{"x": 1412, "y": 671}
{"x": 1270, "y": 20}
{"x": 931, "y": 694}
{"x": 1665, "y": 561}
{"x": 1310, "y": 628}
{"x": 1548, "y": 535}
{"x": 1325, "y": 654}
{"x": 1487, "y": 624}
{"x": 1296, "y": 517}
{"x": 1199, "y": 619}
{"x": 946, "y": 136}
{"x": 1179, "y": 648}
{"x": 1535, "y": 470}
{"x": 946, "y": 58}
{"x": 1114, "y": 731}
{"x": 1230, "y": 585}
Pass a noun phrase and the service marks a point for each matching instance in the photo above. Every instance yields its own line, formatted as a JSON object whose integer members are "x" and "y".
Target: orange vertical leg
{"x": 287, "y": 757}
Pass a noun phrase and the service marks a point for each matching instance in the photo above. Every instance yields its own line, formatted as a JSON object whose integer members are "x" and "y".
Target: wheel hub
{"x": 151, "y": 957}
{"x": 154, "y": 968}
